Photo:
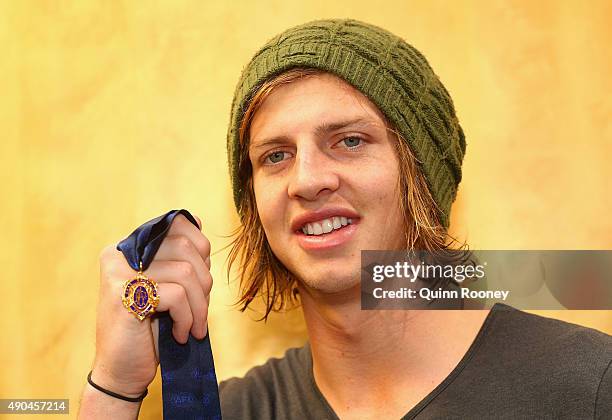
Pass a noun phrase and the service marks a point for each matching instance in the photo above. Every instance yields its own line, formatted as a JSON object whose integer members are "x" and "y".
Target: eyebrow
{"x": 321, "y": 130}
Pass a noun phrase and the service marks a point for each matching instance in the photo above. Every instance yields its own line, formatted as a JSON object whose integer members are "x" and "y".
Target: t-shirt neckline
{"x": 420, "y": 406}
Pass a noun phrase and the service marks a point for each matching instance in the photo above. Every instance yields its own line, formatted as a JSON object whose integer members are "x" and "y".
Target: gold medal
{"x": 140, "y": 295}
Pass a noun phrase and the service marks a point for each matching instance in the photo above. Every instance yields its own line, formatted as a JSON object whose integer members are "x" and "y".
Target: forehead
{"x": 310, "y": 102}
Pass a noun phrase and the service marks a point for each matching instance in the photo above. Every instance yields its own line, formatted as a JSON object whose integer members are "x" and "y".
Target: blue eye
{"x": 275, "y": 157}
{"x": 352, "y": 142}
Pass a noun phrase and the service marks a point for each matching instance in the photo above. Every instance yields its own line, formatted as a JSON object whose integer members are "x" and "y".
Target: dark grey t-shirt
{"x": 520, "y": 366}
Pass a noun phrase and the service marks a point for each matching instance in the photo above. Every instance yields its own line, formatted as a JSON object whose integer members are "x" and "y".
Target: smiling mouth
{"x": 325, "y": 226}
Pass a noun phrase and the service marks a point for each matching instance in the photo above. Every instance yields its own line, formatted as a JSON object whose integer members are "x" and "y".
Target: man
{"x": 319, "y": 121}
{"x": 342, "y": 139}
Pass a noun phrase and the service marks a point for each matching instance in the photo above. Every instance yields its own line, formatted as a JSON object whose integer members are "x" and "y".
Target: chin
{"x": 330, "y": 281}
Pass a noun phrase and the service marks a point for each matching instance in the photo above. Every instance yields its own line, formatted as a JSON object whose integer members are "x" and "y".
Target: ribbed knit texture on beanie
{"x": 391, "y": 73}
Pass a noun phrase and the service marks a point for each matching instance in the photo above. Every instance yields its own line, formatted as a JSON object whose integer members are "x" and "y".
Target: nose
{"x": 313, "y": 174}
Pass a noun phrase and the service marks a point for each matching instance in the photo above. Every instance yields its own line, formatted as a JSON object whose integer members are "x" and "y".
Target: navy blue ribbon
{"x": 189, "y": 383}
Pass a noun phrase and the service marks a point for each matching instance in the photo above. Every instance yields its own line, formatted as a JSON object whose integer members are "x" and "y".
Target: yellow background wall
{"x": 112, "y": 112}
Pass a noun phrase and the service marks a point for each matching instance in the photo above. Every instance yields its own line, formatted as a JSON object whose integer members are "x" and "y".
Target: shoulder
{"x": 256, "y": 394}
{"x": 547, "y": 336}
{"x": 531, "y": 366}
{"x": 553, "y": 356}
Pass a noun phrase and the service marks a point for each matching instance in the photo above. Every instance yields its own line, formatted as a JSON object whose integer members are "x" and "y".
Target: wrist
{"x": 96, "y": 405}
{"x": 97, "y": 378}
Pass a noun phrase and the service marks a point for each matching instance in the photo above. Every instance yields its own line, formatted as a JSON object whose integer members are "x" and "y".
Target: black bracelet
{"x": 113, "y": 394}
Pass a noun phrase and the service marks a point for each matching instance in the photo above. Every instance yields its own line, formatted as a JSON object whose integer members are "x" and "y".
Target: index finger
{"x": 182, "y": 226}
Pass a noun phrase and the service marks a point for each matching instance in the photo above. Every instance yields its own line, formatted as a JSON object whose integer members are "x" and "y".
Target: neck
{"x": 381, "y": 350}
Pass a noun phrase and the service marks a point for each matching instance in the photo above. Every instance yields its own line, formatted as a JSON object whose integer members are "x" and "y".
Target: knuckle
{"x": 204, "y": 246}
{"x": 181, "y": 221}
{"x": 184, "y": 243}
{"x": 185, "y": 269}
{"x": 181, "y": 294}
{"x": 208, "y": 283}
{"x": 176, "y": 298}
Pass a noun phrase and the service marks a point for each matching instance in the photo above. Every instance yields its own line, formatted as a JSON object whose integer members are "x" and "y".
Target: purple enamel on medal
{"x": 140, "y": 296}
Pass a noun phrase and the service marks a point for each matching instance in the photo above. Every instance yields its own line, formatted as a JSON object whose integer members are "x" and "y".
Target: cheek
{"x": 386, "y": 224}
{"x": 383, "y": 186}
{"x": 269, "y": 205}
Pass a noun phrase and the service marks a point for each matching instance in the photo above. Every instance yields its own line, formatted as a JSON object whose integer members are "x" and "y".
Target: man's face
{"x": 322, "y": 158}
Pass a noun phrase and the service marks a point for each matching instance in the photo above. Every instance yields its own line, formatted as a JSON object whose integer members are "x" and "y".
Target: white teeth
{"x": 337, "y": 224}
{"x": 325, "y": 225}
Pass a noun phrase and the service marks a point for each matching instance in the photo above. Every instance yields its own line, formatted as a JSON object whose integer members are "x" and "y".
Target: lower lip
{"x": 329, "y": 240}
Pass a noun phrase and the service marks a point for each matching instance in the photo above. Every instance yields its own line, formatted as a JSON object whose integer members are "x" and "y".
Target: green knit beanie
{"x": 391, "y": 73}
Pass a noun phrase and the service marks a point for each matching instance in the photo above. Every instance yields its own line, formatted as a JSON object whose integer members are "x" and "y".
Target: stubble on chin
{"x": 330, "y": 282}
